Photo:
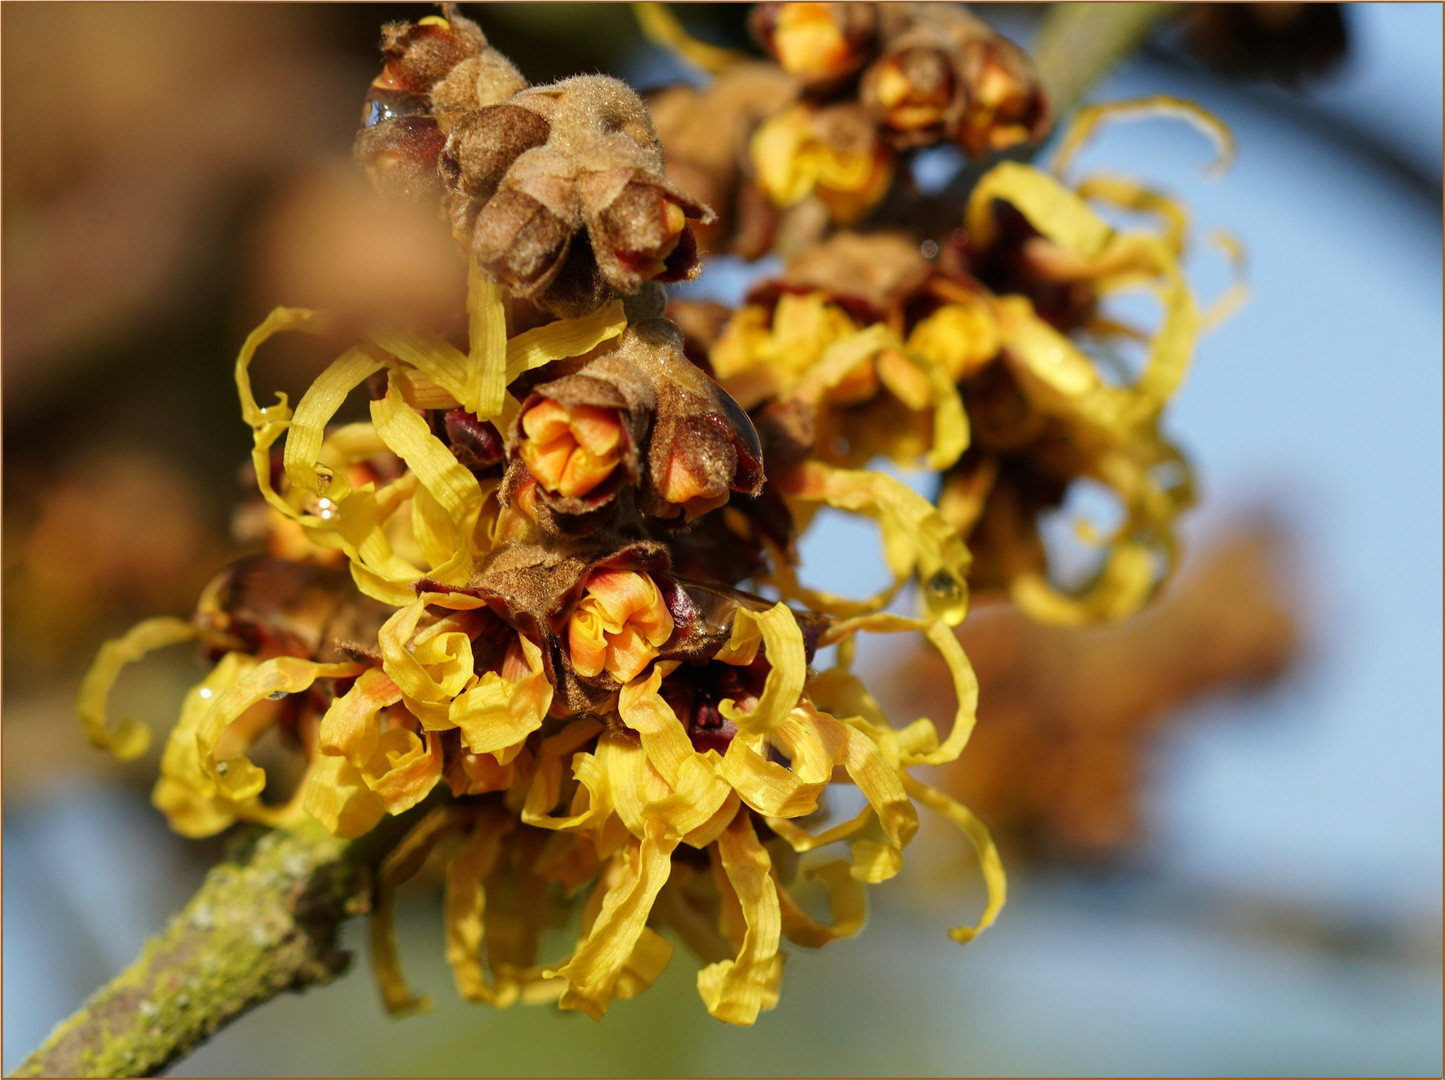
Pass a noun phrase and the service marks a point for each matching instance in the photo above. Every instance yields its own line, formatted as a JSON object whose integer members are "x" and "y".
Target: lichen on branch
{"x": 264, "y": 921}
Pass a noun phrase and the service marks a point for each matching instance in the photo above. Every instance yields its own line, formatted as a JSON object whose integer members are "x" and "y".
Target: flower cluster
{"x": 548, "y": 592}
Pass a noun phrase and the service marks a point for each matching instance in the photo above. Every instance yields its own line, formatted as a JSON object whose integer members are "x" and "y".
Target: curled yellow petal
{"x": 847, "y": 902}
{"x": 661, "y": 27}
{"x": 736, "y": 990}
{"x": 128, "y": 739}
{"x": 404, "y": 768}
{"x": 314, "y": 411}
{"x": 238, "y": 777}
{"x": 497, "y": 714}
{"x": 918, "y": 743}
{"x": 453, "y": 485}
{"x": 338, "y": 796}
{"x": 465, "y": 908}
{"x": 916, "y": 539}
{"x": 1050, "y": 207}
{"x": 183, "y": 792}
{"x": 428, "y": 670}
{"x": 1088, "y": 119}
{"x": 400, "y": 865}
{"x": 978, "y": 835}
{"x": 351, "y": 726}
{"x": 563, "y": 338}
{"x": 593, "y": 970}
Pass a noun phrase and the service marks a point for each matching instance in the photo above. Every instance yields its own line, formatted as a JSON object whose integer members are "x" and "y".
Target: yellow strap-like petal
{"x": 238, "y": 777}
{"x": 847, "y": 901}
{"x": 314, "y": 411}
{"x": 916, "y": 539}
{"x": 563, "y": 338}
{"x": 452, "y": 484}
{"x": 736, "y": 990}
{"x": 400, "y": 865}
{"x": 129, "y": 739}
{"x": 1089, "y": 118}
{"x": 486, "y": 386}
{"x": 351, "y": 725}
{"x": 466, "y": 906}
{"x": 497, "y": 715}
{"x": 983, "y": 844}
{"x": 338, "y": 796}
{"x": 661, "y": 27}
{"x": 183, "y": 792}
{"x": 1050, "y": 207}
{"x": 594, "y": 968}
{"x": 782, "y": 642}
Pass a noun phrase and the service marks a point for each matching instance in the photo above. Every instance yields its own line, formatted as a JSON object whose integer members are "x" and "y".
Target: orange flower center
{"x": 571, "y": 450}
{"x": 619, "y": 624}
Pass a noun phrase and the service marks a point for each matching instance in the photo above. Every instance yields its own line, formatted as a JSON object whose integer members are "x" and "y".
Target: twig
{"x": 1079, "y": 43}
{"x": 263, "y": 921}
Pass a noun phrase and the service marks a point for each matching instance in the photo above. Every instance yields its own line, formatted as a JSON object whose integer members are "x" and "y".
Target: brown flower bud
{"x": 703, "y": 445}
{"x": 821, "y": 44}
{"x": 945, "y": 74}
{"x": 641, "y": 229}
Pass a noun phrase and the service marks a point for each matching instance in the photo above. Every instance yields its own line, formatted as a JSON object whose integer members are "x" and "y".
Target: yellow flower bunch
{"x": 705, "y": 728}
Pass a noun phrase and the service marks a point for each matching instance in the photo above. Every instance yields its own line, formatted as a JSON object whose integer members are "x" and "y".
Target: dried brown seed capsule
{"x": 821, "y": 44}
{"x": 560, "y": 194}
{"x": 416, "y": 56}
{"x": 520, "y": 242}
{"x": 481, "y": 146}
